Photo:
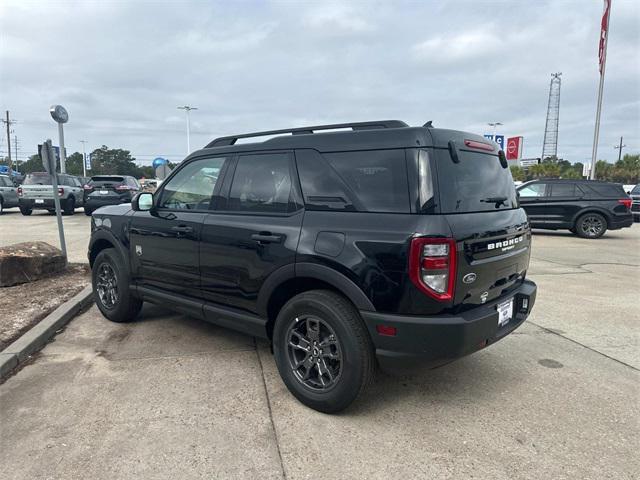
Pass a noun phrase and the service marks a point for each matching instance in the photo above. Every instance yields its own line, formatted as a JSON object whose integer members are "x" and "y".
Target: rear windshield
{"x": 95, "y": 180}
{"x": 38, "y": 179}
{"x": 636, "y": 190}
{"x": 478, "y": 183}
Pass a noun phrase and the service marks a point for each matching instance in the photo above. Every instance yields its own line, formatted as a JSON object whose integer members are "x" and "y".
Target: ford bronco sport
{"x": 373, "y": 242}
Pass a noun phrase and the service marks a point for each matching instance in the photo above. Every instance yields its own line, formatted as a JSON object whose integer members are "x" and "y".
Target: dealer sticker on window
{"x": 505, "y": 312}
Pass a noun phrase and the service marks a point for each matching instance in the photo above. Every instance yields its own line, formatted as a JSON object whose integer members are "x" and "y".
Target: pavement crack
{"x": 553, "y": 332}
{"x": 273, "y": 425}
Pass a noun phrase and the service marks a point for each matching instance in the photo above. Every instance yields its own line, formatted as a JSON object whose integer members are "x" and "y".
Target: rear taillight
{"x": 88, "y": 187}
{"x": 432, "y": 266}
{"x": 122, "y": 188}
{"x": 19, "y": 191}
{"x": 60, "y": 191}
{"x": 626, "y": 202}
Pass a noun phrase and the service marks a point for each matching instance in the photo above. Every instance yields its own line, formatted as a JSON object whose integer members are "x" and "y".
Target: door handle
{"x": 182, "y": 229}
{"x": 266, "y": 237}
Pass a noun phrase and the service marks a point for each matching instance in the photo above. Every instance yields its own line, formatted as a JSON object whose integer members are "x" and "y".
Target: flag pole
{"x": 603, "y": 64}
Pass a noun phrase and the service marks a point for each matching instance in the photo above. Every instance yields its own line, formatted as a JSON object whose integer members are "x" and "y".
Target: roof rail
{"x": 232, "y": 139}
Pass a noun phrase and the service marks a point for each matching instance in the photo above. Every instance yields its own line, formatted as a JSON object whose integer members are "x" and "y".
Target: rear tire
{"x": 70, "y": 206}
{"x": 591, "y": 225}
{"x": 1, "y": 206}
{"x": 323, "y": 350}
{"x": 26, "y": 210}
{"x": 87, "y": 211}
{"x": 111, "y": 289}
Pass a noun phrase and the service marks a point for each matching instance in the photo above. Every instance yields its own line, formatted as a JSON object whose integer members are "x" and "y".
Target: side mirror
{"x": 142, "y": 202}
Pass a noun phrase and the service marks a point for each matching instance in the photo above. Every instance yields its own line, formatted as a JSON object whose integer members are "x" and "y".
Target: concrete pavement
{"x": 172, "y": 397}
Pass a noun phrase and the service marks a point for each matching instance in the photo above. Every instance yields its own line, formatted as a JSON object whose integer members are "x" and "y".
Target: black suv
{"x": 373, "y": 241}
{"x": 104, "y": 190}
{"x": 585, "y": 207}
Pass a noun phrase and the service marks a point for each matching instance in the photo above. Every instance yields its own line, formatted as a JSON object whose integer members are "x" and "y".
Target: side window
{"x": 378, "y": 178}
{"x": 533, "y": 190}
{"x": 322, "y": 188}
{"x": 192, "y": 187}
{"x": 262, "y": 183}
{"x": 563, "y": 190}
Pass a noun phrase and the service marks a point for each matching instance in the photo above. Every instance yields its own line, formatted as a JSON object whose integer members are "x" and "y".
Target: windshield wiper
{"x": 497, "y": 200}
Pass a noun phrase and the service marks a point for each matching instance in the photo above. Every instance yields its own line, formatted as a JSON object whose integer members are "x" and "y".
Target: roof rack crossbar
{"x": 232, "y": 139}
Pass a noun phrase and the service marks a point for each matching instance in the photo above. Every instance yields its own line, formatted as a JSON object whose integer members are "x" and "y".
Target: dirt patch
{"x": 22, "y": 306}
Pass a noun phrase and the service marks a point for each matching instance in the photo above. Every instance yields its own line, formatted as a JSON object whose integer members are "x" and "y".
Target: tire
{"x": 344, "y": 352}
{"x": 573, "y": 230}
{"x": 51, "y": 212}
{"x": 26, "y": 210}
{"x": 70, "y": 206}
{"x": 1, "y": 206}
{"x": 591, "y": 225}
{"x": 87, "y": 211}
{"x": 119, "y": 305}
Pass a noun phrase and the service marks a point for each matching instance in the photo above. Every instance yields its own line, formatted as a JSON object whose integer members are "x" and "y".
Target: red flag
{"x": 604, "y": 30}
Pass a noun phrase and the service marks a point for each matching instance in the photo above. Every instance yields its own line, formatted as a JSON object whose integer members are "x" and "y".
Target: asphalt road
{"x": 173, "y": 397}
{"x": 42, "y": 226}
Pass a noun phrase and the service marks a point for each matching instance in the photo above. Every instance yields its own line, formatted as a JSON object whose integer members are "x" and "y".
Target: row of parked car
{"x": 36, "y": 192}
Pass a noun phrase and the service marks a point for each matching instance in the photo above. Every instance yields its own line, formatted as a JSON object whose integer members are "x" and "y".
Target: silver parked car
{"x": 8, "y": 193}
{"x": 36, "y": 192}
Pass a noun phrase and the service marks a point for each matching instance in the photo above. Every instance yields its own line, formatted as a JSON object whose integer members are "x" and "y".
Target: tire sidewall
{"x": 121, "y": 311}
{"x": 592, "y": 214}
{"x": 352, "y": 369}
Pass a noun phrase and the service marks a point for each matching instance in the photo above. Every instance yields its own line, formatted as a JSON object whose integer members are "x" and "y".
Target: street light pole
{"x": 494, "y": 125}
{"x": 84, "y": 158}
{"x": 187, "y": 110}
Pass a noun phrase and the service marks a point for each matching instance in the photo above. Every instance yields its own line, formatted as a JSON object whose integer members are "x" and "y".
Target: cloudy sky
{"x": 122, "y": 67}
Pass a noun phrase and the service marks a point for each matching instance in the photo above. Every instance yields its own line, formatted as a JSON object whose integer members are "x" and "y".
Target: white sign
{"x": 87, "y": 162}
{"x": 528, "y": 162}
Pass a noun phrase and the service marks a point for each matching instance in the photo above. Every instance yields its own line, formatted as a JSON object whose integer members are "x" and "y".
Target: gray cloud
{"x": 121, "y": 68}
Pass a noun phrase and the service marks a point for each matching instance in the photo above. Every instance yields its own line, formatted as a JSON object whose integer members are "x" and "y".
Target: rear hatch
{"x": 477, "y": 198}
{"x": 37, "y": 186}
{"x": 106, "y": 187}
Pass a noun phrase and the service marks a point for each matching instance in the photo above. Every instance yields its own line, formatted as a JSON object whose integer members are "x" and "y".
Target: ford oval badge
{"x": 469, "y": 278}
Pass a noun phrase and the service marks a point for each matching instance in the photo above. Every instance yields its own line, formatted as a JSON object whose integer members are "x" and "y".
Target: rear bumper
{"x": 44, "y": 203}
{"x": 437, "y": 340}
{"x": 94, "y": 203}
{"x": 621, "y": 221}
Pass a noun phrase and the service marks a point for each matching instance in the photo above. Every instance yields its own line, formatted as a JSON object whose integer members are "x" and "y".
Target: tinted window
{"x": 563, "y": 190}
{"x": 192, "y": 187}
{"x": 38, "y": 179}
{"x": 106, "y": 179}
{"x": 261, "y": 183}
{"x": 322, "y": 188}
{"x": 378, "y": 179}
{"x": 606, "y": 189}
{"x": 477, "y": 183}
{"x": 533, "y": 190}
{"x": 636, "y": 190}
{"x": 5, "y": 182}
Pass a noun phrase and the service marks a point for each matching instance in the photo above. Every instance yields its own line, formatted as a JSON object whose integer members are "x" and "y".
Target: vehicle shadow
{"x": 567, "y": 233}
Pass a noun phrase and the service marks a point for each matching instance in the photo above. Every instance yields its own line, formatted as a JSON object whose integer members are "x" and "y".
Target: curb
{"x": 35, "y": 338}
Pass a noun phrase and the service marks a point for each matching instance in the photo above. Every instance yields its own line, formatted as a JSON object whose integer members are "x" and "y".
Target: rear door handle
{"x": 266, "y": 238}
{"x": 182, "y": 229}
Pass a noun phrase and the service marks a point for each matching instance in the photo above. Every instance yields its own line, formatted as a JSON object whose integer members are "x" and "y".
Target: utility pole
{"x": 8, "y": 123}
{"x": 84, "y": 158}
{"x": 15, "y": 144}
{"x": 619, "y": 147}
{"x": 188, "y": 109}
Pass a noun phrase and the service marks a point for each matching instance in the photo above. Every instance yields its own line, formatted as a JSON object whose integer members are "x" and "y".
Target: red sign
{"x": 514, "y": 148}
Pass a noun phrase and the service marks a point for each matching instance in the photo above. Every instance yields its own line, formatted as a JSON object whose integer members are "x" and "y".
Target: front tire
{"x": 323, "y": 351}
{"x": 26, "y": 210}
{"x": 111, "y": 290}
{"x": 591, "y": 225}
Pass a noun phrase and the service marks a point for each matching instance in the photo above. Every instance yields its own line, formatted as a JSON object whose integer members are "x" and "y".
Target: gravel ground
{"x": 22, "y": 306}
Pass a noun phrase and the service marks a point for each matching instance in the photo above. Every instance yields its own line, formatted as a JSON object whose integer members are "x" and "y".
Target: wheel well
{"x": 289, "y": 289}
{"x": 97, "y": 247}
{"x": 599, "y": 212}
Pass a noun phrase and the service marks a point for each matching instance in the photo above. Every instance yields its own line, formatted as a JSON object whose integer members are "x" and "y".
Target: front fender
{"x": 98, "y": 239}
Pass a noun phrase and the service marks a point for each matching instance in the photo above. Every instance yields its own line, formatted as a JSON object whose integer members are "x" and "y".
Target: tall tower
{"x": 550, "y": 144}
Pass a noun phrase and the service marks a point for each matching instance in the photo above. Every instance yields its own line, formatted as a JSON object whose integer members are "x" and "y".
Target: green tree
{"x": 518, "y": 173}
{"x": 106, "y": 161}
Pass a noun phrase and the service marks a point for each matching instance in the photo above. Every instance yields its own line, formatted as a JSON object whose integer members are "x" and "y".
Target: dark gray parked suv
{"x": 8, "y": 193}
